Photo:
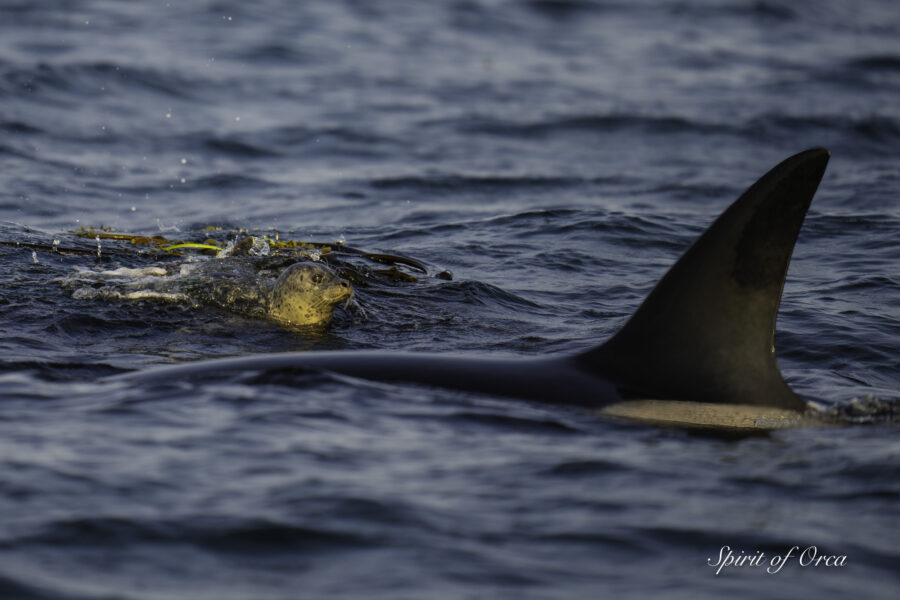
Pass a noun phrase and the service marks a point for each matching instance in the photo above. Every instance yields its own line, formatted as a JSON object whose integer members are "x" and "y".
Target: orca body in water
{"x": 705, "y": 334}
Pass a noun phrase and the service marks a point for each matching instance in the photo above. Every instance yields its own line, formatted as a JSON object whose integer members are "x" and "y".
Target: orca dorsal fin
{"x": 706, "y": 332}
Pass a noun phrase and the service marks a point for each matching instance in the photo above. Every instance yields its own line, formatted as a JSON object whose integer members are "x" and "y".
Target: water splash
{"x": 864, "y": 410}
{"x": 260, "y": 247}
{"x": 227, "y": 250}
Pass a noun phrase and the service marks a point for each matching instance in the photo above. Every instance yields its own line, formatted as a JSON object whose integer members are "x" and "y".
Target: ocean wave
{"x": 873, "y": 128}
{"x": 590, "y": 123}
{"x": 77, "y": 81}
{"x": 457, "y": 182}
{"x": 238, "y": 148}
{"x": 220, "y": 534}
{"x": 232, "y": 182}
{"x": 20, "y": 127}
{"x": 882, "y": 129}
{"x": 875, "y": 62}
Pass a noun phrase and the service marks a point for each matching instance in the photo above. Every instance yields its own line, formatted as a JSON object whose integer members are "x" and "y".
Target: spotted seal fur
{"x": 302, "y": 294}
{"x": 306, "y": 294}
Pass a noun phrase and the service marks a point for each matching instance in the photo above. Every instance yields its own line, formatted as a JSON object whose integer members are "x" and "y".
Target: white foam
{"x": 128, "y": 272}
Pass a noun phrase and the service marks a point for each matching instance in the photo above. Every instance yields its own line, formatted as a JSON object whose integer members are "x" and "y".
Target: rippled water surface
{"x": 555, "y": 157}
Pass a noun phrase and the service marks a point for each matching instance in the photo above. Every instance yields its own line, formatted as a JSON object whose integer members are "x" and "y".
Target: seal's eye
{"x": 318, "y": 277}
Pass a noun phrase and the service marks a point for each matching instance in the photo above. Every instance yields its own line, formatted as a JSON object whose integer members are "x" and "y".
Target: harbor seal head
{"x": 306, "y": 294}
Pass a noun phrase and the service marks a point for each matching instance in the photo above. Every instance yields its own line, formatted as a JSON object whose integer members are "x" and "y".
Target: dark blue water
{"x": 556, "y": 157}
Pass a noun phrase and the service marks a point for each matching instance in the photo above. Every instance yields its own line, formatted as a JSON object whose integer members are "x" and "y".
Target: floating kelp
{"x": 228, "y": 269}
{"x": 245, "y": 244}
